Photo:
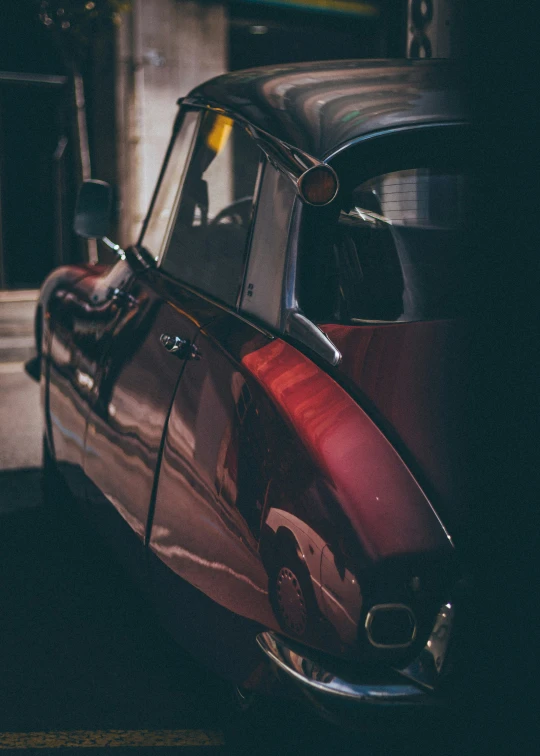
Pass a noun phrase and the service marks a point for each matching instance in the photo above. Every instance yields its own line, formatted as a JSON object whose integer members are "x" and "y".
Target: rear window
{"x": 394, "y": 250}
{"x": 398, "y": 244}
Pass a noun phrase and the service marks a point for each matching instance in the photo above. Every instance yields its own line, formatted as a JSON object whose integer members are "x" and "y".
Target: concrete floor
{"x": 20, "y": 416}
{"x": 20, "y": 419}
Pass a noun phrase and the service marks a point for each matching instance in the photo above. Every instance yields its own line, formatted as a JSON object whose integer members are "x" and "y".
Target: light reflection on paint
{"x": 178, "y": 552}
{"x": 84, "y": 380}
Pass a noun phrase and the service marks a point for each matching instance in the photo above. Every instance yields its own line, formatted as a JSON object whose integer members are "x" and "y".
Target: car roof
{"x": 318, "y": 107}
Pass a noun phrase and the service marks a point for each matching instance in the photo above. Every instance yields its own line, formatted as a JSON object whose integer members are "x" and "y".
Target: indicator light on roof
{"x": 318, "y": 185}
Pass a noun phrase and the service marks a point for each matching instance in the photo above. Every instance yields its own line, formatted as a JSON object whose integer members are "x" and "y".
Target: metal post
{"x": 431, "y": 28}
{"x": 84, "y": 150}
{"x": 59, "y": 186}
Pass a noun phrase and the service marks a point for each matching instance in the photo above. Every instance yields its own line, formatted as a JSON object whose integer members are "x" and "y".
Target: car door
{"x": 138, "y": 373}
{"x": 138, "y": 379}
{"x": 209, "y": 498}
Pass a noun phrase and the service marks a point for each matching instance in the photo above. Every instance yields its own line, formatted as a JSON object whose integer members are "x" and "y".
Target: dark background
{"x": 501, "y": 81}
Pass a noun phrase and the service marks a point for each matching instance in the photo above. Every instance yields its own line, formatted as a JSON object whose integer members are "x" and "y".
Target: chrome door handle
{"x": 120, "y": 297}
{"x": 181, "y": 347}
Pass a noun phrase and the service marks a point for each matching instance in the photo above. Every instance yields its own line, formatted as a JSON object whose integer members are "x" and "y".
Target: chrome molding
{"x": 314, "y": 678}
{"x": 388, "y": 608}
{"x": 303, "y": 329}
{"x": 391, "y": 131}
{"x": 427, "y": 667}
{"x": 421, "y": 674}
{"x": 291, "y": 161}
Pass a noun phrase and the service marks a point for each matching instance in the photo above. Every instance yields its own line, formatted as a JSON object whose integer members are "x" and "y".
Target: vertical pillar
{"x": 432, "y": 28}
{"x": 166, "y": 48}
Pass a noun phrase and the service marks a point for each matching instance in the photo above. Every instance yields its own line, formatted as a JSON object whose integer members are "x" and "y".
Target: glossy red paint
{"x": 208, "y": 502}
{"x": 71, "y": 362}
{"x": 415, "y": 376}
{"x": 388, "y": 510}
{"x": 134, "y": 390}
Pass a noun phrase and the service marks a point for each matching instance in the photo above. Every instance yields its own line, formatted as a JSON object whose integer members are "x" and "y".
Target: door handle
{"x": 120, "y": 297}
{"x": 181, "y": 347}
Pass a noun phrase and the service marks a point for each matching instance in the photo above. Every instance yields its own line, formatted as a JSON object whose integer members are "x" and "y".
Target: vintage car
{"x": 258, "y": 405}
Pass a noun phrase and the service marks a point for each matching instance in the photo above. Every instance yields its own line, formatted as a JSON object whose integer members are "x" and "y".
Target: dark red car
{"x": 258, "y": 404}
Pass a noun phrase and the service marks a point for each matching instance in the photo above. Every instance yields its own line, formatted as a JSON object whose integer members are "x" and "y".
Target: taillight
{"x": 318, "y": 185}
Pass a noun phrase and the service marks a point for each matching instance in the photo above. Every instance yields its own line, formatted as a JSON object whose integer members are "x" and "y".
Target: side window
{"x": 158, "y": 225}
{"x": 208, "y": 242}
{"x": 395, "y": 253}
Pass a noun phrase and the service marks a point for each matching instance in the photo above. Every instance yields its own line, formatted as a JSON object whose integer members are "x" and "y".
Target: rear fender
{"x": 374, "y": 534}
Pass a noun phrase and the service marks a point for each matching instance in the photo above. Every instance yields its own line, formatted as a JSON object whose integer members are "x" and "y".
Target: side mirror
{"x": 93, "y": 210}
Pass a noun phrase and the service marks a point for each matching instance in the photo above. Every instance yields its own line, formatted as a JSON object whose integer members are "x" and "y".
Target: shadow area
{"x": 19, "y": 490}
{"x": 79, "y": 648}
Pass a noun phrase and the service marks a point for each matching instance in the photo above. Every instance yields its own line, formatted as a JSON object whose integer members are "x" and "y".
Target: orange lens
{"x": 318, "y": 185}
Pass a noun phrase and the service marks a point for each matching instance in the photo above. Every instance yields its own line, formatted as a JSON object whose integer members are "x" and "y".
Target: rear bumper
{"x": 412, "y": 687}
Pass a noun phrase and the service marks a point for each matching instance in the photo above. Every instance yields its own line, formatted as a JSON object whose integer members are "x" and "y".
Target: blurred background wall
{"x": 166, "y": 47}
{"x": 88, "y": 88}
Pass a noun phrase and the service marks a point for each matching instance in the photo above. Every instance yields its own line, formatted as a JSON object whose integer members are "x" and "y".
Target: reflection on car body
{"x": 258, "y": 404}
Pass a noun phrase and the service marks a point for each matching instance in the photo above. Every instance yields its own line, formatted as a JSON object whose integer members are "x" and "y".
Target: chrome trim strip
{"x": 425, "y": 670}
{"x": 218, "y": 304}
{"x": 393, "y": 130}
{"x": 423, "y": 673}
{"x": 301, "y": 328}
{"x": 252, "y": 221}
{"x": 291, "y": 161}
{"x": 314, "y": 678}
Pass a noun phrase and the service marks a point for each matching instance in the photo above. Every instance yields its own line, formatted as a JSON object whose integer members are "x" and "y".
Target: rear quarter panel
{"x": 358, "y": 519}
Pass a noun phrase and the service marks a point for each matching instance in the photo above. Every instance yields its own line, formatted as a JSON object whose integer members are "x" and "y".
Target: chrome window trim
{"x": 291, "y": 306}
{"x": 216, "y": 303}
{"x": 308, "y": 333}
{"x": 293, "y": 162}
{"x": 253, "y": 221}
{"x": 260, "y": 264}
{"x": 256, "y": 192}
{"x": 177, "y": 126}
{"x": 394, "y": 130}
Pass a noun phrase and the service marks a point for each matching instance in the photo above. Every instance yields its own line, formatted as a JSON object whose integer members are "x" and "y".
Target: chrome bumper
{"x": 413, "y": 685}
